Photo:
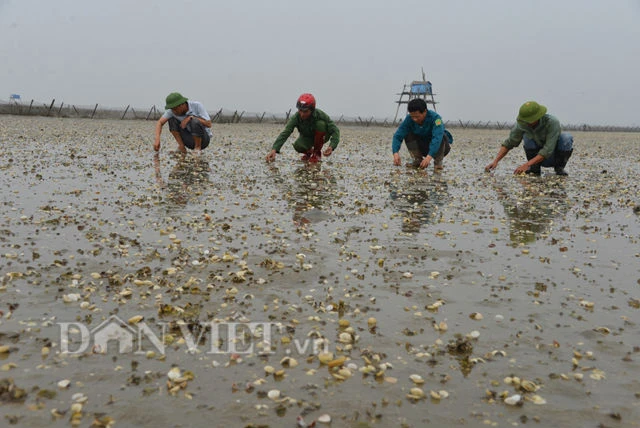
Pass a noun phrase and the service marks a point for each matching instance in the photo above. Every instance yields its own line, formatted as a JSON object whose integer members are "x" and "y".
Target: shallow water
{"x": 551, "y": 264}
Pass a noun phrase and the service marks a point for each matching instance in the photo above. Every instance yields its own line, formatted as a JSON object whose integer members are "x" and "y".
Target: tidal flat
{"x": 218, "y": 290}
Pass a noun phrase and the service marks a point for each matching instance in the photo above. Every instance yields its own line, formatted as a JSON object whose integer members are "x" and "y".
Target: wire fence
{"x": 53, "y": 109}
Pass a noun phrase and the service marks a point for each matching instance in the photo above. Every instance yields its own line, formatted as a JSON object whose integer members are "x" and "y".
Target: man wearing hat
{"x": 544, "y": 143}
{"x": 189, "y": 123}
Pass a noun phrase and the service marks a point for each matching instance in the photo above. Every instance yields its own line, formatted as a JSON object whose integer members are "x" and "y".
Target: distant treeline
{"x": 53, "y": 109}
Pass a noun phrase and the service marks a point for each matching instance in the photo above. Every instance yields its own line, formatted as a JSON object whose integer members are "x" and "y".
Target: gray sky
{"x": 581, "y": 58}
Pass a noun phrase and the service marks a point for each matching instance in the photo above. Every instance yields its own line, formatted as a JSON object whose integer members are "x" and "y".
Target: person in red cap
{"x": 315, "y": 128}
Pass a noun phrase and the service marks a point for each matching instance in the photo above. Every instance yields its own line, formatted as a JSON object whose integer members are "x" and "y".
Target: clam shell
{"x": 274, "y": 394}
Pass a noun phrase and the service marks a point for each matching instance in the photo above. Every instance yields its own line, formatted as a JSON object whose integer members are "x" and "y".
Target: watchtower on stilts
{"x": 417, "y": 89}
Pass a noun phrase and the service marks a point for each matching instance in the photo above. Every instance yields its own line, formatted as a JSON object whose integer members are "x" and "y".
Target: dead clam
{"x": 417, "y": 379}
{"x": 416, "y": 393}
{"x": 324, "y": 418}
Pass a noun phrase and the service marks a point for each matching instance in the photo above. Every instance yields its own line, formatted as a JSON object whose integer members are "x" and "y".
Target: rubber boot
{"x": 535, "y": 169}
{"x": 563, "y": 158}
{"x": 318, "y": 142}
{"x": 417, "y": 160}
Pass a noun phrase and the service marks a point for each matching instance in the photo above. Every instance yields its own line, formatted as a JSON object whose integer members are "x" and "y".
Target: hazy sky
{"x": 581, "y": 58}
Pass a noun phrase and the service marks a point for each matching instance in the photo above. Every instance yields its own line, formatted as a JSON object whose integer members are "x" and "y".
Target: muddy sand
{"x": 222, "y": 291}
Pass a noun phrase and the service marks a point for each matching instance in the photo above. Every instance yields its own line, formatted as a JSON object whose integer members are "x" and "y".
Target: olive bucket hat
{"x": 530, "y": 112}
{"x": 174, "y": 99}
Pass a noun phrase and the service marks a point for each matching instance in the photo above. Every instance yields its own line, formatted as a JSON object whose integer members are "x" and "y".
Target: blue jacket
{"x": 432, "y": 127}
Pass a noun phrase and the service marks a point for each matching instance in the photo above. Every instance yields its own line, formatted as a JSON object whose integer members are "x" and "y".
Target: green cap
{"x": 174, "y": 99}
{"x": 530, "y": 112}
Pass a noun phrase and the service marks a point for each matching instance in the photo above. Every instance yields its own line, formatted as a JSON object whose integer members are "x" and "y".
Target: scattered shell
{"x": 536, "y": 399}
{"x": 135, "y": 319}
{"x": 417, "y": 379}
{"x": 325, "y": 357}
{"x": 64, "y": 384}
{"x": 514, "y": 400}
{"x": 416, "y": 393}
{"x": 372, "y": 322}
{"x": 337, "y": 362}
{"x": 528, "y": 386}
{"x": 288, "y": 362}
{"x": 345, "y": 338}
{"x": 174, "y": 374}
{"x": 273, "y": 394}
{"x": 324, "y": 419}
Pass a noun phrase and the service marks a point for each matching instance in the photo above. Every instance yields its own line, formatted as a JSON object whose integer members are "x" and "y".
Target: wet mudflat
{"x": 223, "y": 291}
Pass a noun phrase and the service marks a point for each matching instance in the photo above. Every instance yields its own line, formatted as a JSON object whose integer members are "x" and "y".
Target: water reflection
{"x": 310, "y": 193}
{"x": 418, "y": 199}
{"x": 532, "y": 208}
{"x": 186, "y": 178}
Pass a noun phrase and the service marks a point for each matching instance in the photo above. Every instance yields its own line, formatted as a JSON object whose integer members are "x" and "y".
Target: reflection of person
{"x": 314, "y": 187}
{"x": 418, "y": 201}
{"x": 544, "y": 143}
{"x": 531, "y": 212}
{"x": 188, "y": 172}
{"x": 315, "y": 128}
{"x": 424, "y": 134}
{"x": 189, "y": 123}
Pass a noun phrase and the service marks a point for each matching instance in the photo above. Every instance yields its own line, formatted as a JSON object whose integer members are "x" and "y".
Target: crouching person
{"x": 545, "y": 145}
{"x": 424, "y": 134}
{"x": 315, "y": 128}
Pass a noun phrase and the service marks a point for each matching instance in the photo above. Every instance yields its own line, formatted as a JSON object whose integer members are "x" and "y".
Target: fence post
{"x": 28, "y": 112}
{"x": 125, "y": 112}
{"x": 94, "y": 111}
{"x": 150, "y": 110}
{"x": 217, "y": 115}
{"x": 286, "y": 116}
{"x": 76, "y": 110}
{"x": 50, "y": 107}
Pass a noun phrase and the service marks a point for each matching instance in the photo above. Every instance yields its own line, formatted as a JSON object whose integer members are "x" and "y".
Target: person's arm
{"x": 551, "y": 138}
{"x": 197, "y": 112}
{"x": 528, "y": 164}
{"x": 159, "y": 124}
{"x": 501, "y": 153}
{"x": 398, "y": 137}
{"x": 437, "y": 134}
{"x": 334, "y": 132}
{"x": 514, "y": 140}
{"x": 280, "y": 140}
{"x": 201, "y": 114}
{"x": 205, "y": 122}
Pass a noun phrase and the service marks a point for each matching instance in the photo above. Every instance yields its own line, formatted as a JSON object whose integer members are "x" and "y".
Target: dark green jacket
{"x": 545, "y": 135}
{"x": 308, "y": 127}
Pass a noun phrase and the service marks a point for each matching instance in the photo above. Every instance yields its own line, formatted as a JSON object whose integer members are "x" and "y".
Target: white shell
{"x": 174, "y": 373}
{"x": 513, "y": 400}
{"x": 417, "y": 379}
{"x": 274, "y": 394}
{"x": 324, "y": 419}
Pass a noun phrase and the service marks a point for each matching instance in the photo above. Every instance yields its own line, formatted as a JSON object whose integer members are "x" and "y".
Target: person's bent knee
{"x": 565, "y": 142}
{"x": 174, "y": 124}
